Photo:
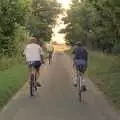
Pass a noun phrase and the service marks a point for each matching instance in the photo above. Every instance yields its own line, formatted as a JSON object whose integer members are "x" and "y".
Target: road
{"x": 57, "y": 99}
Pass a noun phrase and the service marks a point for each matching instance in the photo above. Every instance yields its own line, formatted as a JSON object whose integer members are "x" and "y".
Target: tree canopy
{"x": 18, "y": 18}
{"x": 43, "y": 17}
{"x": 94, "y": 22}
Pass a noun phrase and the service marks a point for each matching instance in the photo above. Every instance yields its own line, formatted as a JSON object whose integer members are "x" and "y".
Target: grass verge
{"x": 11, "y": 80}
{"x": 104, "y": 71}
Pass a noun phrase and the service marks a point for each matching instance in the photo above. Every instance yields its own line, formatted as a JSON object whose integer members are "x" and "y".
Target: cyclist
{"x": 50, "y": 50}
{"x": 34, "y": 54}
{"x": 80, "y": 59}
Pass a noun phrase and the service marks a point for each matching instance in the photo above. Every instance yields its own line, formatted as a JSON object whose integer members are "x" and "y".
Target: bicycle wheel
{"x": 31, "y": 85}
{"x": 35, "y": 84}
{"x": 79, "y": 87}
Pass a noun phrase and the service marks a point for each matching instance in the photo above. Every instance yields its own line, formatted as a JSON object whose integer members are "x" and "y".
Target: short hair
{"x": 33, "y": 39}
{"x": 78, "y": 43}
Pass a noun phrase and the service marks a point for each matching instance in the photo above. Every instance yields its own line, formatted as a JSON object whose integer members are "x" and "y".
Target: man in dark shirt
{"x": 80, "y": 59}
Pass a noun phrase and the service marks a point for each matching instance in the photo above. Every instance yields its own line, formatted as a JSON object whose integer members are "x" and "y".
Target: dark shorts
{"x": 81, "y": 65}
{"x": 35, "y": 64}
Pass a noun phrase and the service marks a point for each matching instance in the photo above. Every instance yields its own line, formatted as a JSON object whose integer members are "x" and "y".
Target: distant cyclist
{"x": 34, "y": 54}
{"x": 50, "y": 50}
{"x": 80, "y": 59}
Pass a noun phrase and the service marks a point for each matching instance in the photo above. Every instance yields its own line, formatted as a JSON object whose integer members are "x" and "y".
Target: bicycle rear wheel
{"x": 79, "y": 88}
{"x": 31, "y": 85}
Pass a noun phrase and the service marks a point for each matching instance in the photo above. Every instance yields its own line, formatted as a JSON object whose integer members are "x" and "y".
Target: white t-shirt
{"x": 33, "y": 52}
{"x": 49, "y": 48}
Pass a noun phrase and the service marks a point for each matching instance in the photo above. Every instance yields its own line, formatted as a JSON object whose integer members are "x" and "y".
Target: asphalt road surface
{"x": 57, "y": 99}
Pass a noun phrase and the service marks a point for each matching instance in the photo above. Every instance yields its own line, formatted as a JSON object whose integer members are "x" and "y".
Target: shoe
{"x": 38, "y": 84}
{"x": 75, "y": 85}
{"x": 83, "y": 88}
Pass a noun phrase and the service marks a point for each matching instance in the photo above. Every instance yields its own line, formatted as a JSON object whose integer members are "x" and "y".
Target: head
{"x": 33, "y": 40}
{"x": 79, "y": 44}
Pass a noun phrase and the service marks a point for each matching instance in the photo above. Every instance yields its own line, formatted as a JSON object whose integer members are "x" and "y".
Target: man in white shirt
{"x": 34, "y": 56}
{"x": 50, "y": 50}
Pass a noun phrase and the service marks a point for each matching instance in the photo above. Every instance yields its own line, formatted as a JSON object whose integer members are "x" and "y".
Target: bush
{"x": 115, "y": 67}
{"x": 116, "y": 49}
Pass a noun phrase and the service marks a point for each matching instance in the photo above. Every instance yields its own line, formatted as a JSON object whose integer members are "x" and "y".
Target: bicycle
{"x": 79, "y": 83}
{"x": 33, "y": 85}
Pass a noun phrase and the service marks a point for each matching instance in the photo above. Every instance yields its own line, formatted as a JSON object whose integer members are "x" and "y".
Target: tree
{"x": 20, "y": 18}
{"x": 13, "y": 13}
{"x": 43, "y": 17}
{"x": 95, "y": 22}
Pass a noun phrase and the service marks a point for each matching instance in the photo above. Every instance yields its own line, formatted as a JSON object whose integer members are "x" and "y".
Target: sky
{"x": 65, "y": 3}
{"x": 56, "y": 35}
{"x": 60, "y": 25}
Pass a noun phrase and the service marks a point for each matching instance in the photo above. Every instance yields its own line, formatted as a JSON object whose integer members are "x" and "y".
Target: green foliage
{"x": 43, "y": 17}
{"x": 116, "y": 49}
{"x": 104, "y": 70}
{"x": 115, "y": 67}
{"x": 12, "y": 14}
{"x": 95, "y": 22}
{"x": 19, "y": 17}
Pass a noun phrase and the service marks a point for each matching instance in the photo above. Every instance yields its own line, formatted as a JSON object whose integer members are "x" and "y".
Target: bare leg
{"x": 83, "y": 84}
{"x": 37, "y": 76}
{"x": 37, "y": 73}
{"x": 82, "y": 76}
{"x": 75, "y": 76}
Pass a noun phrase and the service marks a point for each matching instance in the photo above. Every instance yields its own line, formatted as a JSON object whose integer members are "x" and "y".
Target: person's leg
{"x": 75, "y": 75}
{"x": 37, "y": 73}
{"x": 82, "y": 78}
{"x": 50, "y": 57}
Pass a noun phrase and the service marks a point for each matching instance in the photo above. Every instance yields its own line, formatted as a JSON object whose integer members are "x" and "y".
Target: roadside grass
{"x": 11, "y": 80}
{"x": 13, "y": 74}
{"x": 7, "y": 62}
{"x": 104, "y": 71}
{"x": 99, "y": 63}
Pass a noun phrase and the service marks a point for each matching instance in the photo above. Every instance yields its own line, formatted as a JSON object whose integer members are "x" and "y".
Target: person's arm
{"x": 73, "y": 52}
{"x": 42, "y": 55}
{"x": 86, "y": 55}
{"x": 73, "y": 56}
{"x": 24, "y": 51}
